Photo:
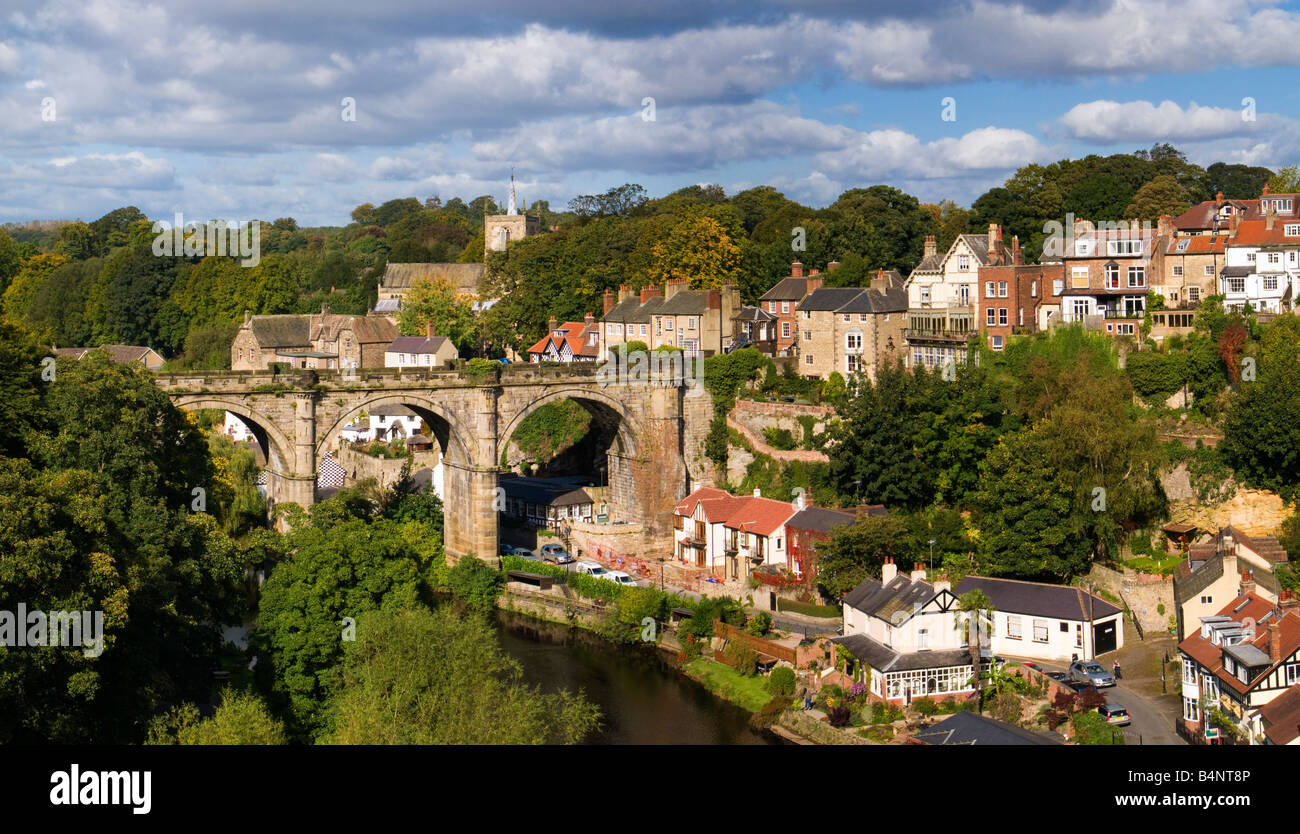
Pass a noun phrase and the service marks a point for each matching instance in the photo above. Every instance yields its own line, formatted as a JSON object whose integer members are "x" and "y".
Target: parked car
{"x": 591, "y": 569}
{"x": 1090, "y": 672}
{"x": 556, "y": 553}
{"x": 524, "y": 553}
{"x": 1114, "y": 714}
{"x": 621, "y": 578}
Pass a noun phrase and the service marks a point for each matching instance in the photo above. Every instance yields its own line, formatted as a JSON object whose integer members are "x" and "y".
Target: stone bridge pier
{"x": 297, "y": 418}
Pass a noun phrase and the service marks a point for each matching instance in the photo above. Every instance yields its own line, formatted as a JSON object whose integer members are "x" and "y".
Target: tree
{"x": 1261, "y": 448}
{"x": 421, "y": 677}
{"x": 1162, "y": 195}
{"x": 241, "y": 718}
{"x": 24, "y": 286}
{"x": 1285, "y": 181}
{"x": 437, "y": 301}
{"x": 698, "y": 250}
{"x": 9, "y": 260}
{"x": 976, "y": 608}
{"x": 77, "y": 242}
{"x": 857, "y": 551}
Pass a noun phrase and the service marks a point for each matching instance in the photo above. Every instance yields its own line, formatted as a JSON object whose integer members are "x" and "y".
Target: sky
{"x": 245, "y": 110}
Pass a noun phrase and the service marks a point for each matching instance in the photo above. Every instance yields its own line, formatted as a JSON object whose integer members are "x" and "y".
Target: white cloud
{"x": 893, "y": 152}
{"x": 1141, "y": 121}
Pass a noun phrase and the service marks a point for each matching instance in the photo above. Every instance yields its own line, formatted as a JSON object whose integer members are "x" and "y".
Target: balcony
{"x": 945, "y": 336}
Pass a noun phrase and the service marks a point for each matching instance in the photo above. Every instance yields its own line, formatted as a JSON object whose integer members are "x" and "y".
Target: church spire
{"x": 513, "y": 207}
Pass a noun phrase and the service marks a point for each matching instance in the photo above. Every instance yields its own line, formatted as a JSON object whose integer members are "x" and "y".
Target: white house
{"x": 907, "y": 637}
{"x": 387, "y": 423}
{"x": 1262, "y": 264}
{"x": 1047, "y": 622}
{"x": 731, "y": 534}
{"x": 427, "y": 351}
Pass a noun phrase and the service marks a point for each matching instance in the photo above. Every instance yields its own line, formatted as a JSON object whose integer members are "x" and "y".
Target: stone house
{"x": 699, "y": 322}
{"x": 852, "y": 329}
{"x": 323, "y": 341}
{"x": 780, "y": 302}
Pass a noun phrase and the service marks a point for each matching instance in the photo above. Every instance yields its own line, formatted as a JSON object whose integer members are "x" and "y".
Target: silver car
{"x": 556, "y": 553}
{"x": 1091, "y": 673}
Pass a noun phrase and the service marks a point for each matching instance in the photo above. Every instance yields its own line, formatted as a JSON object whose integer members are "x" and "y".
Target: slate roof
{"x": 465, "y": 277}
{"x": 122, "y": 354}
{"x": 367, "y": 330}
{"x": 1037, "y": 599}
{"x": 1282, "y": 716}
{"x": 416, "y": 344}
{"x": 881, "y": 658}
{"x": 683, "y": 303}
{"x": 748, "y": 313}
{"x": 892, "y": 300}
{"x": 1259, "y": 610}
{"x": 820, "y": 519}
{"x": 828, "y": 298}
{"x": 281, "y": 331}
{"x": 969, "y": 728}
{"x": 787, "y": 289}
{"x": 900, "y": 594}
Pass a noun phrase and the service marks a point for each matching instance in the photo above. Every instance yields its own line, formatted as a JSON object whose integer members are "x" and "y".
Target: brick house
{"x": 812, "y": 525}
{"x": 1016, "y": 298}
{"x": 782, "y": 299}
{"x": 1107, "y": 274}
{"x": 852, "y": 329}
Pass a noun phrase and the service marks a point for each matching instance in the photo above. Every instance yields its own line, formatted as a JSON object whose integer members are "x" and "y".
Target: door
{"x": 1103, "y": 637}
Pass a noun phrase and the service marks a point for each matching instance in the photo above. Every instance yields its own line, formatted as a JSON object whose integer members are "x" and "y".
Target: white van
{"x": 590, "y": 568}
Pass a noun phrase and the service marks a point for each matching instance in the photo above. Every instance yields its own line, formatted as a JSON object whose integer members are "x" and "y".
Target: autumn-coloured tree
{"x": 437, "y": 301}
{"x": 699, "y": 250}
{"x": 1230, "y": 344}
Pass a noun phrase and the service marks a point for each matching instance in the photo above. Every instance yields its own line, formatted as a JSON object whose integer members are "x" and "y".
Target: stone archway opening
{"x": 276, "y": 449}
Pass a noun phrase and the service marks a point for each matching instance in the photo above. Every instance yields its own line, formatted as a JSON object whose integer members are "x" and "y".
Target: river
{"x": 642, "y": 698}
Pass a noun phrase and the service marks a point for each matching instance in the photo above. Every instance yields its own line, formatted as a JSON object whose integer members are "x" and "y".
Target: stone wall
{"x": 1143, "y": 592}
{"x": 360, "y": 466}
{"x": 776, "y": 454}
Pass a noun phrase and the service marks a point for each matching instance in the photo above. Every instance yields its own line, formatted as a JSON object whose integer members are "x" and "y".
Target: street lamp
{"x": 931, "y": 560}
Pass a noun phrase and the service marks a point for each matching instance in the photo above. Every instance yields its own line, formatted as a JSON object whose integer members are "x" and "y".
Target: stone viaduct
{"x": 656, "y": 428}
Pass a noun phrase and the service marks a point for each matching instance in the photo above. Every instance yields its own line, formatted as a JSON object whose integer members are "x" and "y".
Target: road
{"x": 1152, "y": 720}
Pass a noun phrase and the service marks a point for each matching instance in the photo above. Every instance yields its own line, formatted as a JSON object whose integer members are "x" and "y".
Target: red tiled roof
{"x": 1283, "y": 716}
{"x": 1253, "y": 233}
{"x": 687, "y": 506}
{"x": 576, "y": 333}
{"x": 1255, "y": 609}
{"x": 1198, "y": 245}
{"x": 751, "y": 514}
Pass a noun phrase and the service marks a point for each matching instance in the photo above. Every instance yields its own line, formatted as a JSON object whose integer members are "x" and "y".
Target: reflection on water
{"x": 642, "y": 698}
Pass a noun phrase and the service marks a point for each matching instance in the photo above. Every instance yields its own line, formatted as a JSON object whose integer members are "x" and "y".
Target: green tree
{"x": 437, "y": 301}
{"x": 241, "y": 718}
{"x": 1286, "y": 180}
{"x": 976, "y": 608}
{"x": 421, "y": 677}
{"x": 857, "y": 551}
{"x": 1162, "y": 195}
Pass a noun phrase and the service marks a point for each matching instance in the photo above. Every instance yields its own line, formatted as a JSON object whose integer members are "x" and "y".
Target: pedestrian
{"x": 1118, "y": 673}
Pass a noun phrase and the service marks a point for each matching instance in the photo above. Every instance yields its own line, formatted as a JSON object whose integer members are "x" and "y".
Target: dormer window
{"x": 1291, "y": 230}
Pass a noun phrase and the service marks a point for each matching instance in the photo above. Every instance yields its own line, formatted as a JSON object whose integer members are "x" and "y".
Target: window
{"x": 1250, "y": 257}
{"x": 963, "y": 295}
{"x": 1079, "y": 276}
{"x": 1194, "y": 294}
{"x": 848, "y": 317}
{"x": 1002, "y": 316}
{"x": 1002, "y": 289}
{"x": 1058, "y": 286}
{"x": 990, "y": 317}
{"x": 1125, "y": 247}
{"x": 1291, "y": 230}
{"x": 1065, "y": 627}
{"x": 1013, "y": 627}
{"x": 1178, "y": 272}
{"x": 771, "y": 306}
{"x": 862, "y": 317}
{"x": 1191, "y": 709}
{"x": 990, "y": 289}
{"x": 1081, "y": 308}
{"x": 963, "y": 263}
{"x": 1236, "y": 284}
{"x": 785, "y": 330}
{"x": 1021, "y": 317}
{"x": 1270, "y": 282}
{"x": 1033, "y": 289}
{"x": 1274, "y": 257}
{"x": 668, "y": 324}
{"x": 1292, "y": 673}
{"x": 807, "y": 359}
{"x": 922, "y": 639}
{"x": 853, "y": 341}
{"x": 995, "y": 342}
{"x": 1207, "y": 600}
{"x": 785, "y": 306}
{"x": 1209, "y": 269}
{"x": 807, "y": 314}
{"x": 1125, "y": 329}
{"x": 807, "y": 335}
{"x": 1040, "y": 631}
{"x": 690, "y": 323}
{"x": 1137, "y": 276}
{"x": 925, "y": 293}
{"x": 852, "y": 363}
{"x": 643, "y": 330}
{"x": 1078, "y": 635}
{"x": 1189, "y": 671}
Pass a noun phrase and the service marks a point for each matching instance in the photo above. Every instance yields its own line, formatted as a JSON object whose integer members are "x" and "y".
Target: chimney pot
{"x": 1218, "y": 196}
{"x": 888, "y": 572}
{"x": 588, "y": 319}
{"x": 550, "y": 323}
{"x": 796, "y": 270}
{"x": 758, "y": 493}
{"x": 931, "y": 247}
{"x": 1265, "y": 189}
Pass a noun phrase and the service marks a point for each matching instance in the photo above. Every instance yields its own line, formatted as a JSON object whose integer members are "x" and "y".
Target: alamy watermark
{"x": 23, "y": 628}
{"x": 647, "y": 367}
{"x": 242, "y": 239}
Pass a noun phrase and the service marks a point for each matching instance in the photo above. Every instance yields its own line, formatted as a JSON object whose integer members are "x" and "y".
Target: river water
{"x": 642, "y": 698}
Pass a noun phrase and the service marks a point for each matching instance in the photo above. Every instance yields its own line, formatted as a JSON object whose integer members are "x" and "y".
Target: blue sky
{"x": 233, "y": 110}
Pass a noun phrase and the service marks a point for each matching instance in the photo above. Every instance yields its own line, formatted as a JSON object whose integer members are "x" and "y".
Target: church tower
{"x": 500, "y": 229}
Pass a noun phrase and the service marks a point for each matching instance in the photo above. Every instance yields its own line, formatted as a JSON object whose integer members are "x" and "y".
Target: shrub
{"x": 838, "y": 716}
{"x": 1064, "y": 701}
{"x": 778, "y": 438}
{"x": 743, "y": 657}
{"x": 474, "y": 582}
{"x": 925, "y": 706}
{"x": 781, "y": 681}
{"x": 1091, "y": 728}
{"x": 1089, "y": 699}
{"x": 760, "y": 624}
{"x": 1006, "y": 707}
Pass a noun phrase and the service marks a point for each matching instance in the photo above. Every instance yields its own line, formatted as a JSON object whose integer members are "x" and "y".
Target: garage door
{"x": 1103, "y": 637}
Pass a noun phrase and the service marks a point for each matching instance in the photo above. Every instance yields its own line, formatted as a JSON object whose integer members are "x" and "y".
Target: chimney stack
{"x": 1274, "y": 642}
{"x": 815, "y": 272}
{"x": 931, "y": 247}
{"x": 648, "y": 293}
{"x": 832, "y": 266}
{"x": 888, "y": 571}
{"x": 550, "y": 324}
{"x": 796, "y": 270}
{"x": 672, "y": 287}
{"x": 1270, "y": 217}
{"x": 812, "y": 283}
{"x": 248, "y": 316}
{"x": 942, "y": 583}
{"x": 428, "y": 329}
{"x": 1265, "y": 189}
{"x": 758, "y": 493}
{"x": 1218, "y": 197}
{"x": 588, "y": 319}
{"x": 879, "y": 282}
{"x": 994, "y": 233}
{"x": 609, "y": 301}
{"x": 1247, "y": 583}
{"x": 918, "y": 572}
